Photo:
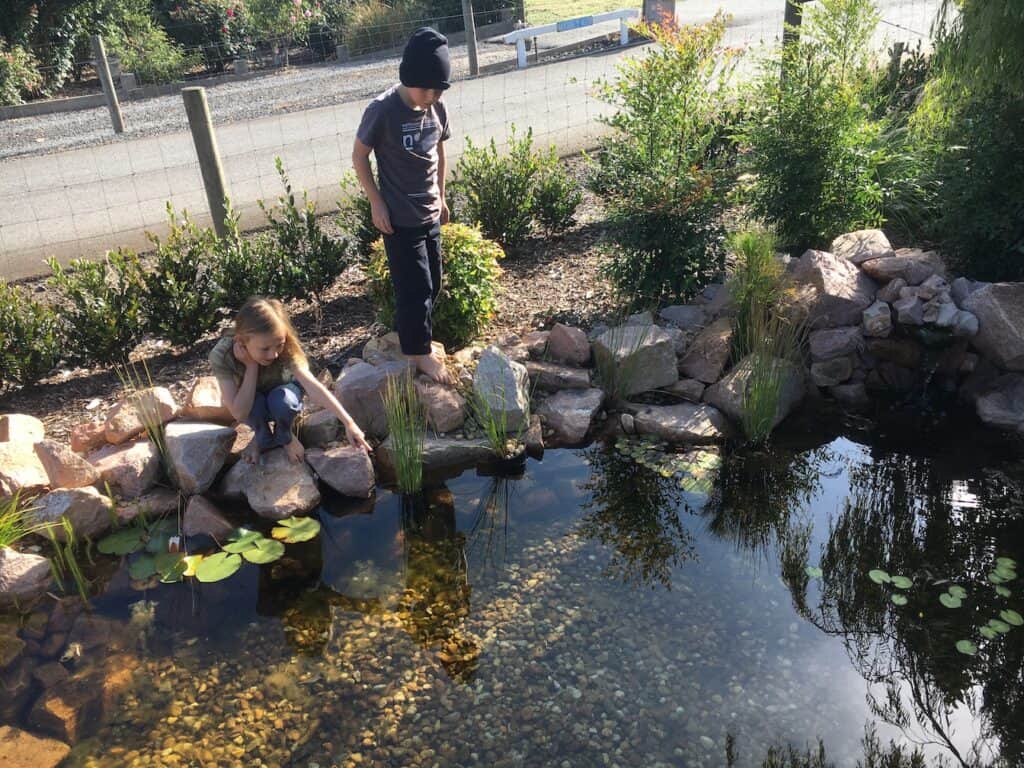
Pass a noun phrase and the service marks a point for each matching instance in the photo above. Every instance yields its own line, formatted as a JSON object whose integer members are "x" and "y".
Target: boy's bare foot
{"x": 434, "y": 368}
{"x": 251, "y": 453}
{"x": 295, "y": 451}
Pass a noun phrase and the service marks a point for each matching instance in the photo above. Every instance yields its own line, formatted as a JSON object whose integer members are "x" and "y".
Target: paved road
{"x": 84, "y": 201}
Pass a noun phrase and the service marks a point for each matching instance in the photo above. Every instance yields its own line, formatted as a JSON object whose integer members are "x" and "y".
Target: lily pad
{"x": 191, "y": 563}
{"x": 902, "y": 582}
{"x": 949, "y": 601}
{"x": 293, "y": 530}
{"x": 1011, "y": 617}
{"x": 158, "y": 543}
{"x": 1003, "y": 591}
{"x": 967, "y": 647}
{"x": 814, "y": 573}
{"x": 899, "y": 599}
{"x": 122, "y": 542}
{"x": 245, "y": 541}
{"x": 957, "y": 591}
{"x": 142, "y": 568}
{"x": 988, "y": 632}
{"x": 175, "y": 573}
{"x": 265, "y": 551}
{"x": 999, "y": 626}
{"x": 1006, "y": 562}
{"x": 218, "y": 567}
{"x": 879, "y": 576}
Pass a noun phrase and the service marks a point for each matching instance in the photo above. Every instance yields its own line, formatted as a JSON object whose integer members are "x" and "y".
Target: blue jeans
{"x": 280, "y": 405}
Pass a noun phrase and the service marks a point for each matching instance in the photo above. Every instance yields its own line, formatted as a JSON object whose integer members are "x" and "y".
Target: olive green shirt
{"x": 226, "y": 367}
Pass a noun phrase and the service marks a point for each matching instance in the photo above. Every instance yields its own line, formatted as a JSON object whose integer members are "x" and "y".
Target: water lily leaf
{"x": 218, "y": 567}
{"x": 957, "y": 591}
{"x": 191, "y": 563}
{"x": 999, "y": 626}
{"x": 1003, "y": 591}
{"x": 949, "y": 601}
{"x": 122, "y": 542}
{"x": 967, "y": 647}
{"x": 175, "y": 573}
{"x": 814, "y": 573}
{"x": 879, "y": 576}
{"x": 995, "y": 578}
{"x": 988, "y": 632}
{"x": 158, "y": 543}
{"x": 1006, "y": 562}
{"x": 292, "y": 530}
{"x": 1011, "y": 617}
{"x": 265, "y": 551}
{"x": 902, "y": 582}
{"x": 899, "y": 599}
{"x": 1006, "y": 574}
{"x": 245, "y": 541}
{"x": 142, "y": 568}
{"x": 166, "y": 562}
{"x": 165, "y": 525}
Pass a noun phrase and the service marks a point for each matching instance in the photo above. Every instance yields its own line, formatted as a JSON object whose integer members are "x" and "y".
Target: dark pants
{"x": 414, "y": 258}
{"x": 280, "y": 405}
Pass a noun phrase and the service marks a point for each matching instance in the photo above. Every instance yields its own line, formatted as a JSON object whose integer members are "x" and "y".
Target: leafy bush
{"x": 497, "y": 191}
{"x": 19, "y": 74}
{"x": 314, "y": 258}
{"x": 183, "y": 293}
{"x": 355, "y": 215}
{"x": 147, "y": 51}
{"x": 373, "y": 25}
{"x": 814, "y": 151}
{"x": 556, "y": 196}
{"x": 467, "y": 299}
{"x": 30, "y": 343}
{"x": 101, "y": 310}
{"x": 218, "y": 30}
{"x": 662, "y": 169}
{"x": 247, "y": 267}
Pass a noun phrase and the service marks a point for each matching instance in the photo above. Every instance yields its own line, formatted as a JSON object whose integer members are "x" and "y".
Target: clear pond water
{"x": 595, "y": 613}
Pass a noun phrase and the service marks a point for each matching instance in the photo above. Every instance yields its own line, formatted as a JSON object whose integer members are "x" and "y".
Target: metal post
{"x": 103, "y": 69}
{"x": 791, "y": 28}
{"x": 623, "y": 32}
{"x": 521, "y": 53}
{"x": 203, "y": 137}
{"x": 467, "y": 16}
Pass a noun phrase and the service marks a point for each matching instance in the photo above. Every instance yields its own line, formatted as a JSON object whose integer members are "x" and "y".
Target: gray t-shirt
{"x": 405, "y": 142}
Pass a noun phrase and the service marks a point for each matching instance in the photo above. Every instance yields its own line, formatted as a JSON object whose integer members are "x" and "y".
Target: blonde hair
{"x": 260, "y": 315}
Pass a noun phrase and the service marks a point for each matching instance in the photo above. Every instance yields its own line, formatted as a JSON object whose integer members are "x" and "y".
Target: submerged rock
{"x": 21, "y": 749}
{"x": 684, "y": 424}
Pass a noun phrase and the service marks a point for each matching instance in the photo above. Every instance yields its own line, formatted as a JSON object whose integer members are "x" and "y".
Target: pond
{"x": 613, "y": 606}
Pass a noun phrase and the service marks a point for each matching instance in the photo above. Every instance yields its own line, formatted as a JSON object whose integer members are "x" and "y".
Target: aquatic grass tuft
{"x": 65, "y": 559}
{"x": 505, "y": 442}
{"x": 754, "y": 284}
{"x": 135, "y": 384}
{"x": 775, "y": 343}
{"x": 15, "y": 522}
{"x": 407, "y": 426}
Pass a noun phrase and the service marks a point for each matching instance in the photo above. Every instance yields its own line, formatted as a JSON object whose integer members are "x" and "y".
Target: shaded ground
{"x": 548, "y": 279}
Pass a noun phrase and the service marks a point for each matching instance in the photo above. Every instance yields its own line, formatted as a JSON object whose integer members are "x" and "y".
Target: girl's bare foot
{"x": 295, "y": 450}
{"x": 251, "y": 453}
{"x": 434, "y": 368}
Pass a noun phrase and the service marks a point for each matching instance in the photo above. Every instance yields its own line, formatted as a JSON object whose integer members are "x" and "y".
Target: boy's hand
{"x": 381, "y": 218}
{"x": 446, "y": 215}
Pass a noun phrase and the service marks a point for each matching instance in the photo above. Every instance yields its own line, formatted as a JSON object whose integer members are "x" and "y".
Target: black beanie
{"x": 425, "y": 61}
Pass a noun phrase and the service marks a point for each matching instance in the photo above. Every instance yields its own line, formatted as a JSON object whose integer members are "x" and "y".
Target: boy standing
{"x": 406, "y": 127}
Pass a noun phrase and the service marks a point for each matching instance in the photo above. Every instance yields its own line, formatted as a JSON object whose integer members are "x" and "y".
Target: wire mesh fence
{"x": 85, "y": 200}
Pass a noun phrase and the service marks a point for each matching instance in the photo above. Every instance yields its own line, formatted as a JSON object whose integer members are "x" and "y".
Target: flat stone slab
{"x": 570, "y": 413}
{"x": 862, "y": 245}
{"x": 685, "y": 424}
{"x": 552, "y": 377}
{"x": 443, "y": 456}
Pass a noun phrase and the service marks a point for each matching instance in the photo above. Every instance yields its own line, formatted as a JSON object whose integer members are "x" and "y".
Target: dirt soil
{"x": 547, "y": 280}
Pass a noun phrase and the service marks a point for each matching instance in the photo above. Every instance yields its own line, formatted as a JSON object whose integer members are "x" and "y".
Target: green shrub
{"x": 556, "y": 196}
{"x": 355, "y": 215}
{"x": 19, "y": 75}
{"x": 183, "y": 293}
{"x": 30, "y": 343}
{"x": 373, "y": 25}
{"x": 662, "y": 170}
{"x": 101, "y": 307}
{"x": 467, "y": 299}
{"x": 246, "y": 266}
{"x": 497, "y": 191}
{"x": 814, "y": 150}
{"x": 147, "y": 51}
{"x": 219, "y": 30}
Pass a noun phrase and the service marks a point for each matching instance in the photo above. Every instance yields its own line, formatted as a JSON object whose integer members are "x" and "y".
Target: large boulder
{"x": 568, "y": 345}
{"x": 829, "y": 373}
{"x": 685, "y": 424}
{"x": 729, "y": 394}
{"x": 20, "y": 427}
{"x": 345, "y": 468}
{"x": 445, "y": 408}
{"x": 130, "y": 417}
{"x": 89, "y": 512}
{"x": 318, "y": 430}
{"x": 388, "y": 349}
{"x": 275, "y": 488}
{"x": 552, "y": 377}
{"x": 24, "y": 578}
{"x": 500, "y": 386}
{"x": 64, "y": 467}
{"x": 1002, "y": 405}
{"x": 862, "y": 245}
{"x": 571, "y": 412}
{"x": 643, "y": 355}
{"x": 912, "y": 265}
{"x": 835, "y": 342}
{"x": 20, "y": 469}
{"x": 999, "y": 308}
{"x": 196, "y": 452}
{"x": 832, "y": 290}
{"x": 130, "y": 469}
{"x": 707, "y": 356}
{"x": 202, "y": 518}
{"x": 360, "y": 389}
{"x": 21, "y": 749}
{"x": 205, "y": 403}
{"x": 685, "y": 317}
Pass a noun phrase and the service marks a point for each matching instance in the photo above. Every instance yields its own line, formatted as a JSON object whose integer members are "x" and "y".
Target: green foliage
{"x": 468, "y": 298}
{"x": 183, "y": 294}
{"x": 15, "y": 523}
{"x": 407, "y": 427}
{"x": 294, "y": 530}
{"x": 980, "y": 45}
{"x": 615, "y": 359}
{"x": 355, "y": 215}
{"x": 497, "y": 191}
{"x": 218, "y": 30}
{"x": 247, "y": 266}
{"x": 556, "y": 196}
{"x": 663, "y": 168}
{"x": 19, "y": 74}
{"x": 503, "y": 437}
{"x": 100, "y": 305}
{"x": 146, "y": 50}
{"x": 754, "y": 283}
{"x": 30, "y": 341}
{"x": 774, "y": 343}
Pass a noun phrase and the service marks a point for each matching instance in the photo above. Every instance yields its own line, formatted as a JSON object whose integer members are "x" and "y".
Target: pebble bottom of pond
{"x": 589, "y": 613}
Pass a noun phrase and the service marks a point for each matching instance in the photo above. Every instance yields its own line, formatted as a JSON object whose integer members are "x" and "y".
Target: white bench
{"x": 520, "y": 36}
